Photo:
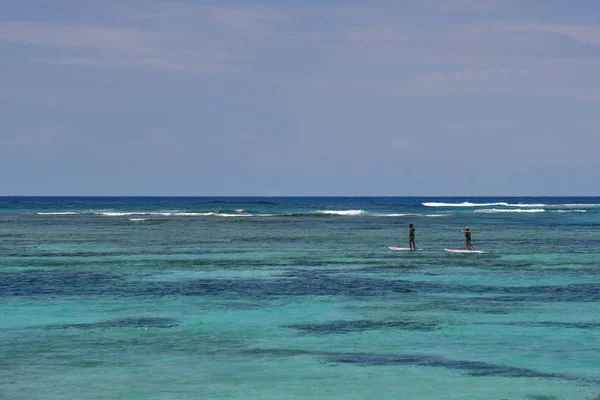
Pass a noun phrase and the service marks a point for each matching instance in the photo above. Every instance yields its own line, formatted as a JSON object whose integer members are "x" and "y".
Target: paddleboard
{"x": 464, "y": 251}
{"x": 399, "y": 248}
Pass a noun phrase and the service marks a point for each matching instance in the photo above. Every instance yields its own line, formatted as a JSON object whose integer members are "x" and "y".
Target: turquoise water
{"x": 299, "y": 298}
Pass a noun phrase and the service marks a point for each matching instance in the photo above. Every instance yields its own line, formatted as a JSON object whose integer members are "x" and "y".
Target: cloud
{"x": 402, "y": 144}
{"x": 253, "y": 22}
{"x": 114, "y": 47}
{"x": 470, "y": 76}
{"x": 247, "y": 18}
{"x": 474, "y": 59}
{"x": 587, "y": 34}
{"x": 487, "y": 83}
{"x": 365, "y": 47}
{"x": 376, "y": 35}
{"x": 466, "y": 6}
{"x": 99, "y": 38}
{"x": 146, "y": 62}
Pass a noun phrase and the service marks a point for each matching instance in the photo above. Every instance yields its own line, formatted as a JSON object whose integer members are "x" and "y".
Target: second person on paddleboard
{"x": 467, "y": 234}
{"x": 411, "y": 237}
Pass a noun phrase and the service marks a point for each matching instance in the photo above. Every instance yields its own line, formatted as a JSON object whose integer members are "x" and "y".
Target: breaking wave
{"x": 59, "y": 213}
{"x": 341, "y": 212}
{"x": 410, "y": 215}
{"x": 468, "y": 204}
{"x": 511, "y": 210}
{"x": 145, "y": 215}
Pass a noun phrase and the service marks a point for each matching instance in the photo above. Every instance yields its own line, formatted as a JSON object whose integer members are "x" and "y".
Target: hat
{"x": 467, "y": 228}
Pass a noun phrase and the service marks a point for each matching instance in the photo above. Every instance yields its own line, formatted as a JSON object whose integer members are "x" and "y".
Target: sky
{"x": 300, "y": 98}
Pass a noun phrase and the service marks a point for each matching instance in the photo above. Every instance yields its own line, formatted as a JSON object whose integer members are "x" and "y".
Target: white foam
{"x": 116, "y": 214}
{"x": 410, "y": 215}
{"x": 395, "y": 215}
{"x": 468, "y": 204}
{"x": 138, "y": 219}
{"x": 341, "y": 212}
{"x": 59, "y": 213}
{"x": 191, "y": 214}
{"x": 234, "y": 215}
{"x": 568, "y": 211}
{"x": 504, "y": 204}
{"x": 527, "y": 205}
{"x": 153, "y": 213}
{"x": 511, "y": 210}
{"x": 463, "y": 204}
{"x": 579, "y": 205}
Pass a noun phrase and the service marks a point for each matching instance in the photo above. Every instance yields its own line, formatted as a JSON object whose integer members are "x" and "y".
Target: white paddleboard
{"x": 464, "y": 251}
{"x": 400, "y": 248}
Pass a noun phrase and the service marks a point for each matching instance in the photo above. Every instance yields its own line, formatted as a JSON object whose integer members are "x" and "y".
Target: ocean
{"x": 299, "y": 298}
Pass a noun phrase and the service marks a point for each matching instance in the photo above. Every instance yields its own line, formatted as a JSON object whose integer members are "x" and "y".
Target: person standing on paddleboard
{"x": 467, "y": 234}
{"x": 411, "y": 237}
